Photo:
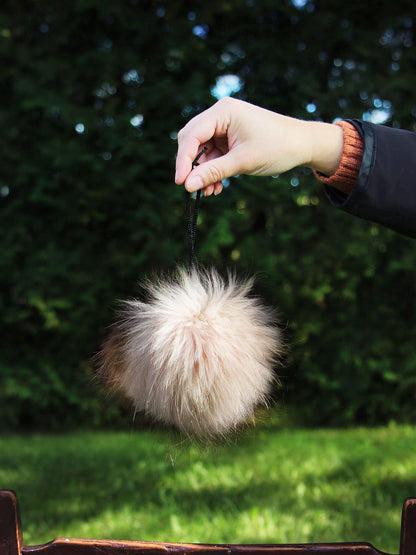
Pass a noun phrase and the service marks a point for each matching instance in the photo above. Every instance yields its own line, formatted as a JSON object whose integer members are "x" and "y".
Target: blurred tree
{"x": 92, "y": 96}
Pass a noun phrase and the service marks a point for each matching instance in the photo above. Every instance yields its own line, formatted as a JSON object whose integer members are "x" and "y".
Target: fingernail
{"x": 194, "y": 183}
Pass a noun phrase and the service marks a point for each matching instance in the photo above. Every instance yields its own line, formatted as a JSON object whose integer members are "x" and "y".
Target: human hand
{"x": 244, "y": 139}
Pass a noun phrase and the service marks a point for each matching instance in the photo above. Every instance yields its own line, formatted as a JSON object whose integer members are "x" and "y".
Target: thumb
{"x": 212, "y": 171}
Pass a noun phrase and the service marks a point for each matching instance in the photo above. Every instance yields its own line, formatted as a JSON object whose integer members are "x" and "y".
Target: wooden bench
{"x": 11, "y": 542}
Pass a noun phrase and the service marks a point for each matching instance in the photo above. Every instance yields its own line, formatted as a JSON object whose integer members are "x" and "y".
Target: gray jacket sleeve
{"x": 385, "y": 190}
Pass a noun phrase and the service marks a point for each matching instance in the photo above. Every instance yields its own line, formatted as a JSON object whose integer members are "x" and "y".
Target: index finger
{"x": 195, "y": 134}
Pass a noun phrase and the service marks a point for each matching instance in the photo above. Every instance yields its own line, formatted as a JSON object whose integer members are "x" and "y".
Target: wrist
{"x": 348, "y": 170}
{"x": 326, "y": 145}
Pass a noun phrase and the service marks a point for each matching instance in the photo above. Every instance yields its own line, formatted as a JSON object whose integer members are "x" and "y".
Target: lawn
{"x": 268, "y": 485}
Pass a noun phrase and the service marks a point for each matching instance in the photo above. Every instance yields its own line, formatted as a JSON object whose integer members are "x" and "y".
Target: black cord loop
{"x": 192, "y": 218}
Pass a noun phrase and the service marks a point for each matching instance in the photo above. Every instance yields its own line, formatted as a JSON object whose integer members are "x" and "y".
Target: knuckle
{"x": 226, "y": 101}
{"x": 214, "y": 174}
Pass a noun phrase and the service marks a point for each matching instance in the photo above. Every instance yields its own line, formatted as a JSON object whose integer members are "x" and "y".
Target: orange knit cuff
{"x": 347, "y": 173}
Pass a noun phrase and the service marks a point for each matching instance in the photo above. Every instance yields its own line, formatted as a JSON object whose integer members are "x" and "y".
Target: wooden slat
{"x": 10, "y": 530}
{"x": 66, "y": 546}
{"x": 408, "y": 534}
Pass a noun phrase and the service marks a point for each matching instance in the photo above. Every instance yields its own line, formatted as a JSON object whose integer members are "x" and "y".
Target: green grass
{"x": 269, "y": 485}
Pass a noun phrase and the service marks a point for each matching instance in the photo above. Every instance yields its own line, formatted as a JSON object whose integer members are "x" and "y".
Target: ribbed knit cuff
{"x": 347, "y": 173}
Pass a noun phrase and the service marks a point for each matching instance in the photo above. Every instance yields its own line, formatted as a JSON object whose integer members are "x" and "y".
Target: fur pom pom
{"x": 198, "y": 355}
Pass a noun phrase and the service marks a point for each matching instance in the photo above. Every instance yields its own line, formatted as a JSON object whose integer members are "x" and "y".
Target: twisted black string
{"x": 193, "y": 218}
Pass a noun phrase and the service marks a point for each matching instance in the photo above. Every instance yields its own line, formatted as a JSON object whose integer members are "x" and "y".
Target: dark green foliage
{"x": 91, "y": 96}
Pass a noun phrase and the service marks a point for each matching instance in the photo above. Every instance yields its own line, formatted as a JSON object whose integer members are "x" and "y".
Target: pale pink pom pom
{"x": 199, "y": 354}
